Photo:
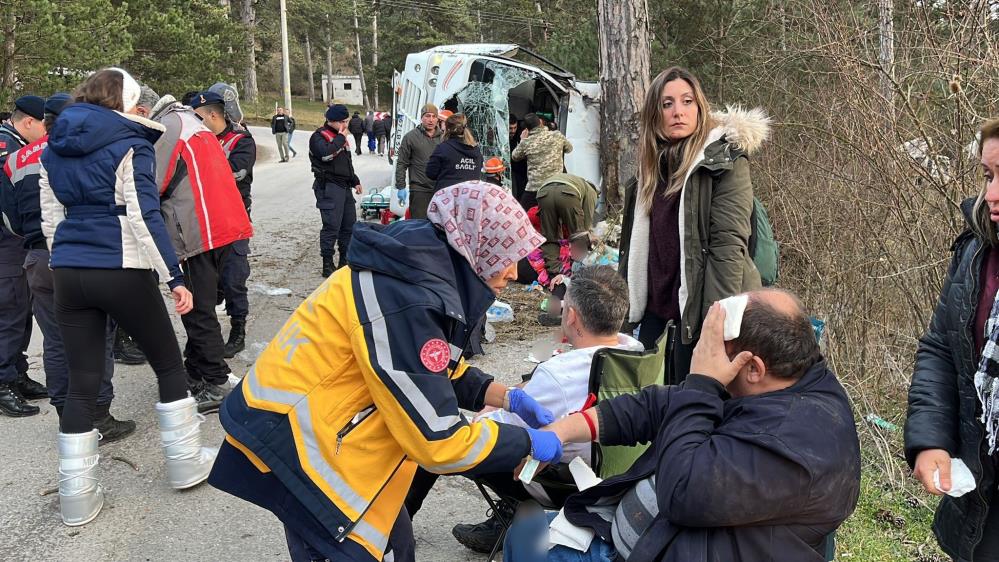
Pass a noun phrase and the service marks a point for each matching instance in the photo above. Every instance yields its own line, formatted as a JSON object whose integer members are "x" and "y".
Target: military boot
{"x": 13, "y": 404}
{"x": 30, "y": 389}
{"x": 125, "y": 350}
{"x": 187, "y": 462}
{"x": 111, "y": 429}
{"x": 482, "y": 537}
{"x": 327, "y": 266}
{"x": 237, "y": 338}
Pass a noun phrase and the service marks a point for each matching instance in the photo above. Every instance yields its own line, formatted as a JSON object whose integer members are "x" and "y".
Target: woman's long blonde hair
{"x": 456, "y": 127}
{"x": 654, "y": 145}
{"x": 981, "y": 223}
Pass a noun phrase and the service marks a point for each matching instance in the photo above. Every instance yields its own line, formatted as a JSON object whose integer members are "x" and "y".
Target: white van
{"x": 488, "y": 83}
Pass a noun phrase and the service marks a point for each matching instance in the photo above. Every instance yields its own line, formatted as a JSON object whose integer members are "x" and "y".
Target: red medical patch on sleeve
{"x": 435, "y": 355}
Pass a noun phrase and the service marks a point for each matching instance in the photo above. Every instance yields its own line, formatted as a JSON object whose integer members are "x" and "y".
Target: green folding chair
{"x": 616, "y": 372}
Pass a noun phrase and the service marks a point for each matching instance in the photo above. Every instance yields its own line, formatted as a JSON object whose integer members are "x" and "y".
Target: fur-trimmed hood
{"x": 745, "y": 129}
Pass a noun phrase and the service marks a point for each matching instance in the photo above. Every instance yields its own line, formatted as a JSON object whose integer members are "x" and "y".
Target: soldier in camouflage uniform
{"x": 544, "y": 151}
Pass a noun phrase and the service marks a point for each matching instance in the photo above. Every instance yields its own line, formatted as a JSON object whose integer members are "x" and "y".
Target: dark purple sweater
{"x": 664, "y": 256}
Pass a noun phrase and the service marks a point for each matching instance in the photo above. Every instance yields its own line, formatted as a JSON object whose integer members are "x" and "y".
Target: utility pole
{"x": 285, "y": 67}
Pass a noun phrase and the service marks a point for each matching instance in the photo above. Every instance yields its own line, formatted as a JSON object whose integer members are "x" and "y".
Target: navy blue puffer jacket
{"x": 100, "y": 204}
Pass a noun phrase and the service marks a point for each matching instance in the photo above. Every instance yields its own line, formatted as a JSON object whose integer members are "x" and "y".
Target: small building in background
{"x": 346, "y": 89}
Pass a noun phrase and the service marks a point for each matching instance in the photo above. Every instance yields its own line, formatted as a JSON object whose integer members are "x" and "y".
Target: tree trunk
{"x": 360, "y": 60}
{"x": 886, "y": 54}
{"x": 328, "y": 92}
{"x": 374, "y": 52}
{"x": 624, "y": 70}
{"x": 9, "y": 75}
{"x": 308, "y": 69}
{"x": 249, "y": 23}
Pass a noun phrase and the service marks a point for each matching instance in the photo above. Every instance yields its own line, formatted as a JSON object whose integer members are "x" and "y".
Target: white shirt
{"x": 561, "y": 384}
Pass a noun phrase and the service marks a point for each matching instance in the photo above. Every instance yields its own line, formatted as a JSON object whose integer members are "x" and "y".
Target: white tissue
{"x": 962, "y": 480}
{"x": 734, "y": 307}
{"x": 561, "y": 531}
{"x": 566, "y": 534}
{"x": 582, "y": 474}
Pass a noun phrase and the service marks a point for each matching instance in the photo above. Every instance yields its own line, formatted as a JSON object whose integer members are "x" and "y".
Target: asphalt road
{"x": 143, "y": 519}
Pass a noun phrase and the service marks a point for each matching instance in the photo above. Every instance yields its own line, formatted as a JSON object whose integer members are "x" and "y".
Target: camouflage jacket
{"x": 544, "y": 150}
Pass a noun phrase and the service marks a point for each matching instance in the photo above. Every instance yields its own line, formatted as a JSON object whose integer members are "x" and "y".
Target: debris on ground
{"x": 265, "y": 289}
{"x": 499, "y": 312}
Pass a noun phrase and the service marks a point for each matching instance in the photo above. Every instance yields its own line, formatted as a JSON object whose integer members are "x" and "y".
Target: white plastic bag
{"x": 394, "y": 206}
{"x": 499, "y": 312}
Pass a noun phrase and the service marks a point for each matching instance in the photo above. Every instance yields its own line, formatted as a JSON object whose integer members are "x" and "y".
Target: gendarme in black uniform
{"x": 15, "y": 297}
{"x": 333, "y": 169}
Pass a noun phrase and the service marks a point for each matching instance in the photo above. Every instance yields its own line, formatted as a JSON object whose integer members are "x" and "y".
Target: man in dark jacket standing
{"x": 280, "y": 127}
{"x": 378, "y": 127}
{"x": 335, "y": 178}
{"x": 25, "y": 126}
{"x": 414, "y": 153}
{"x": 356, "y": 129}
{"x": 754, "y": 457}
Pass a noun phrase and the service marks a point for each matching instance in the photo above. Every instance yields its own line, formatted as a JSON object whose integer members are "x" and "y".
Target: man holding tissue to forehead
{"x": 754, "y": 457}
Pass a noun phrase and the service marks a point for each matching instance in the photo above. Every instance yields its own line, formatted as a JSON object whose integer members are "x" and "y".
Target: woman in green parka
{"x": 685, "y": 238}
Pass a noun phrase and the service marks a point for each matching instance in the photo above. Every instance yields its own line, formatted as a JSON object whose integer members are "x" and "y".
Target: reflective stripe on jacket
{"x": 23, "y": 207}
{"x": 363, "y": 383}
{"x": 201, "y": 205}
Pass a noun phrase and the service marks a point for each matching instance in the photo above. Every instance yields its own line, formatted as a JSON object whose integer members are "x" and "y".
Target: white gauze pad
{"x": 734, "y": 307}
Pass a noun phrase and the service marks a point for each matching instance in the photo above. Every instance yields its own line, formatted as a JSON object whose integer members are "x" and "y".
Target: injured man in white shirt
{"x": 593, "y": 311}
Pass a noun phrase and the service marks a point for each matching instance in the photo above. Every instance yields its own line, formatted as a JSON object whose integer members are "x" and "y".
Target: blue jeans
{"x": 527, "y": 541}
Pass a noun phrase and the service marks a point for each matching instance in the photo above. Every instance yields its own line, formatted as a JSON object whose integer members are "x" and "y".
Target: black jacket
{"x": 454, "y": 162}
{"x": 356, "y": 126}
{"x": 943, "y": 403}
{"x": 379, "y": 128}
{"x": 241, "y": 151}
{"x": 279, "y": 124}
{"x": 12, "y": 251}
{"x": 332, "y": 166}
{"x": 763, "y": 477}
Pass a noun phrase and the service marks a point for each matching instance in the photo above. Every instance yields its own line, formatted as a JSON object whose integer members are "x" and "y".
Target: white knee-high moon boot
{"x": 188, "y": 463}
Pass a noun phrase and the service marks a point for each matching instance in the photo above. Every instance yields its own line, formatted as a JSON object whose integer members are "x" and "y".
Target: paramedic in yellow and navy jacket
{"x": 364, "y": 382}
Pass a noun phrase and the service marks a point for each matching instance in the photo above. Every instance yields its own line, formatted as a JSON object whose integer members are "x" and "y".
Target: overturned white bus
{"x": 488, "y": 83}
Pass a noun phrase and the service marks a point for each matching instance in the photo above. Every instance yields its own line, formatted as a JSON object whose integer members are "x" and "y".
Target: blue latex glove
{"x": 545, "y": 445}
{"x": 403, "y": 195}
{"x": 528, "y": 409}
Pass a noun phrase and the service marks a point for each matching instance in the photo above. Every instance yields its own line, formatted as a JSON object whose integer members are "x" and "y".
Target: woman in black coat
{"x": 458, "y": 158}
{"x": 954, "y": 380}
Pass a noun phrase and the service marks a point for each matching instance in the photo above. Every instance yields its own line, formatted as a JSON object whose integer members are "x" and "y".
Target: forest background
{"x": 875, "y": 105}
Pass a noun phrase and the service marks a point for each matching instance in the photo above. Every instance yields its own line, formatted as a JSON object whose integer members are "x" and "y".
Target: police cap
{"x": 206, "y": 98}
{"x": 57, "y": 102}
{"x": 31, "y": 105}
